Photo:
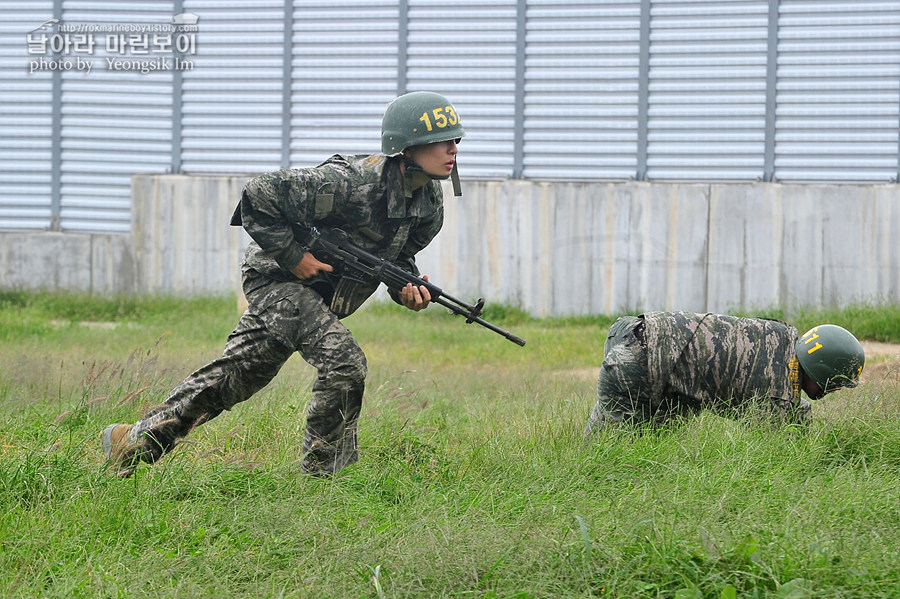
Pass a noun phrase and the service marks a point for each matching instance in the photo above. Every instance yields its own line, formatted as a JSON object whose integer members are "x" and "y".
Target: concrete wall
{"x": 550, "y": 248}
{"x": 180, "y": 244}
{"x": 182, "y": 241}
{"x": 588, "y": 248}
{"x": 85, "y": 263}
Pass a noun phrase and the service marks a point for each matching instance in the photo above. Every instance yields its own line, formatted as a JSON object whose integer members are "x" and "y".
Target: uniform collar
{"x": 401, "y": 201}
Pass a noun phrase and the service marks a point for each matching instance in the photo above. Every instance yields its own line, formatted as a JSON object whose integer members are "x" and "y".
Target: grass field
{"x": 474, "y": 479}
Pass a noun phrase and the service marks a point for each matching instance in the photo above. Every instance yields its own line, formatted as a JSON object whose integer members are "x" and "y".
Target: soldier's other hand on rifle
{"x": 415, "y": 297}
{"x": 309, "y": 266}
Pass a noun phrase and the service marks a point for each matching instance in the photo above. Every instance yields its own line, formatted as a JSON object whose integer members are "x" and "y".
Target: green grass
{"x": 866, "y": 321}
{"x": 474, "y": 479}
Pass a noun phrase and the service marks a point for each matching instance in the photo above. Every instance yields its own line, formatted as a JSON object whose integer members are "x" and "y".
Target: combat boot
{"x": 119, "y": 452}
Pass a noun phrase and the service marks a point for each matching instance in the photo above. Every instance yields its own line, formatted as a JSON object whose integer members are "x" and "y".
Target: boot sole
{"x": 106, "y": 439}
{"x": 106, "y": 443}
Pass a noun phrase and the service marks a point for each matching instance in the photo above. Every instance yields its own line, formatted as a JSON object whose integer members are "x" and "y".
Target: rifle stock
{"x": 335, "y": 247}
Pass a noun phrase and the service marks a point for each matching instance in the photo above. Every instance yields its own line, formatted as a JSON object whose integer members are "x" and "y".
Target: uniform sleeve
{"x": 421, "y": 236}
{"x": 802, "y": 412}
{"x": 792, "y": 412}
{"x": 267, "y": 213}
{"x": 409, "y": 265}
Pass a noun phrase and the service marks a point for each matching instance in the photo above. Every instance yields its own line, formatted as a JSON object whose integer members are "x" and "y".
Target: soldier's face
{"x": 435, "y": 159}
{"x": 812, "y": 388}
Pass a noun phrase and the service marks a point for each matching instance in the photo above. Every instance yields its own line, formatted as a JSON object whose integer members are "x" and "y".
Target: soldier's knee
{"x": 354, "y": 370}
{"x": 350, "y": 368}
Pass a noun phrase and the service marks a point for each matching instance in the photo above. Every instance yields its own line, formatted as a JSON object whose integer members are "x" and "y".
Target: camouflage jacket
{"x": 365, "y": 195}
{"x": 725, "y": 363}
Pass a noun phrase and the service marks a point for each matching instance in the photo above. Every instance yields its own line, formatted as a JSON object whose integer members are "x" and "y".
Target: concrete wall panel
{"x": 551, "y": 248}
{"x": 183, "y": 242}
{"x": 46, "y": 261}
{"x": 113, "y": 269}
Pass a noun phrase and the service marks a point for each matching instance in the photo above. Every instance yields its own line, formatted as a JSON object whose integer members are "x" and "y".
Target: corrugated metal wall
{"x": 838, "y": 90}
{"x": 343, "y": 72}
{"x": 231, "y": 104}
{"x": 468, "y": 51}
{"x": 581, "y": 90}
{"x": 699, "y": 90}
{"x": 707, "y": 92}
{"x": 26, "y": 123}
{"x": 115, "y": 121}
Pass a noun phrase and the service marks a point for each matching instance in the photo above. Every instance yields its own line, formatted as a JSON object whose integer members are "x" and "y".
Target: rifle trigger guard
{"x": 476, "y": 311}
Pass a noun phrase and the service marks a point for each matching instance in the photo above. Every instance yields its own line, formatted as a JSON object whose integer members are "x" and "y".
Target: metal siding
{"x": 114, "y": 123}
{"x": 344, "y": 74}
{"x": 838, "y": 91}
{"x": 581, "y": 86}
{"x": 467, "y": 51}
{"x": 25, "y": 122}
{"x": 232, "y": 98}
{"x": 837, "y": 104}
{"x": 707, "y": 90}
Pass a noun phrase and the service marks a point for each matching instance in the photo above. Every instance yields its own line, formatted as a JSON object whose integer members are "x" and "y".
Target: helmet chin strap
{"x": 412, "y": 168}
{"x": 454, "y": 179}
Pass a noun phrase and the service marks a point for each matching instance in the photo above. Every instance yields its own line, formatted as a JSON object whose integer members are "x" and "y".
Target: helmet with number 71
{"x": 418, "y": 118}
{"x": 831, "y": 356}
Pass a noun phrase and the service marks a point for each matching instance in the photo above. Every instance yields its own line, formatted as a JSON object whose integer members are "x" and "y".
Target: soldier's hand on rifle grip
{"x": 415, "y": 298}
{"x": 309, "y": 266}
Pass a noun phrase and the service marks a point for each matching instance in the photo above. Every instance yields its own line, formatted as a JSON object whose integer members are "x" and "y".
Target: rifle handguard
{"x": 336, "y": 245}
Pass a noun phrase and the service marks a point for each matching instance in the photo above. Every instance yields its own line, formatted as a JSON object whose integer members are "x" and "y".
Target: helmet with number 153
{"x": 418, "y": 118}
{"x": 831, "y": 356}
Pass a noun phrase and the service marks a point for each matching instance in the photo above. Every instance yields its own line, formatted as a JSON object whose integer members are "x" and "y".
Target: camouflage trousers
{"x": 624, "y": 392}
{"x": 619, "y": 388}
{"x": 282, "y": 317}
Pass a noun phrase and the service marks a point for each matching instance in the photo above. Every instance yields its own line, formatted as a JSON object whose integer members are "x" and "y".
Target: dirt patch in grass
{"x": 882, "y": 362}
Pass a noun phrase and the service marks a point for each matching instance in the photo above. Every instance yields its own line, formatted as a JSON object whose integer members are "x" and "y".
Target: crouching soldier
{"x": 662, "y": 364}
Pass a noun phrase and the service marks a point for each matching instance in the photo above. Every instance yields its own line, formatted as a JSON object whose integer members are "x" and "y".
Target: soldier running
{"x": 391, "y": 204}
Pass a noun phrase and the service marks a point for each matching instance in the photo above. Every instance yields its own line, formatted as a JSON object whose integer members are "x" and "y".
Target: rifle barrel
{"x": 477, "y": 319}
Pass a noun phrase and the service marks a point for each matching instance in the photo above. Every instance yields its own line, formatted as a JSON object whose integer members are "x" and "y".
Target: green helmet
{"x": 418, "y": 118}
{"x": 831, "y": 356}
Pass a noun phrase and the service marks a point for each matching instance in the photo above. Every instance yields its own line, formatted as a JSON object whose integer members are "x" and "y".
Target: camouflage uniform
{"x": 369, "y": 198}
{"x": 661, "y": 364}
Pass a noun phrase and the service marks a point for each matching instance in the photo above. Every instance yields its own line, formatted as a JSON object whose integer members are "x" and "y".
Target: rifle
{"x": 336, "y": 249}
